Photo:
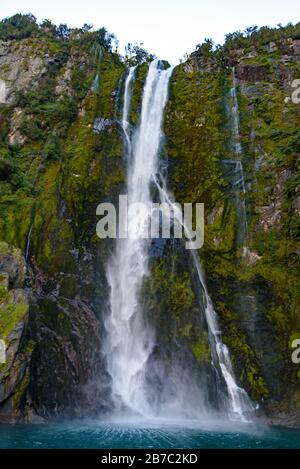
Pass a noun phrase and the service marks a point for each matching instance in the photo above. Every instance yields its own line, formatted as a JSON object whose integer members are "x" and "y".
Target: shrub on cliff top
{"x": 18, "y": 27}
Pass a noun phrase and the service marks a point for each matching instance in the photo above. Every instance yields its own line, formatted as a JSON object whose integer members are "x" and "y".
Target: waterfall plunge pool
{"x": 155, "y": 434}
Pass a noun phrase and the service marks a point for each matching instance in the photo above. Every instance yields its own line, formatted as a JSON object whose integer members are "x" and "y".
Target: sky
{"x": 167, "y": 28}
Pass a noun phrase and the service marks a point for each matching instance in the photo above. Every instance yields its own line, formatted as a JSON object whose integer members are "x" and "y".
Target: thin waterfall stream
{"x": 234, "y": 170}
{"x": 238, "y": 403}
{"x": 235, "y": 117}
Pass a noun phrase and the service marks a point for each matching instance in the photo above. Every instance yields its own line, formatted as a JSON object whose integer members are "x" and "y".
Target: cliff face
{"x": 61, "y": 154}
{"x": 251, "y": 249}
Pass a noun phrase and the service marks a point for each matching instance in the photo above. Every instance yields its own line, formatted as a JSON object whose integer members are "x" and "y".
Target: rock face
{"x": 2, "y": 91}
{"x": 21, "y": 65}
{"x": 15, "y": 137}
{"x": 252, "y": 73}
{"x": 14, "y": 308}
{"x": 61, "y": 155}
{"x": 51, "y": 347}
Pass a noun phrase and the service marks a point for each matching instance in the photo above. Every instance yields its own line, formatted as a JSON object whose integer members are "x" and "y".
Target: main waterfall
{"x": 130, "y": 340}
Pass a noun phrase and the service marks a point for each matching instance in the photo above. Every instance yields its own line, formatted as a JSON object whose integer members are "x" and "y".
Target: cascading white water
{"x": 238, "y": 181}
{"x": 126, "y": 104}
{"x": 238, "y": 402}
{"x": 130, "y": 340}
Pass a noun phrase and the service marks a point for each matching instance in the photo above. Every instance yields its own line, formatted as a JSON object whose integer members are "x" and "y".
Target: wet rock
{"x": 66, "y": 356}
{"x": 100, "y": 124}
{"x": 283, "y": 414}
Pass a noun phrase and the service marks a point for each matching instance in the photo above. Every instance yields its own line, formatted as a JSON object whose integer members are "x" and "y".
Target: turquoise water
{"x": 157, "y": 435}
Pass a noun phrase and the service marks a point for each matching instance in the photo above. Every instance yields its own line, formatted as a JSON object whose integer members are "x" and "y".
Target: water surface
{"x": 152, "y": 434}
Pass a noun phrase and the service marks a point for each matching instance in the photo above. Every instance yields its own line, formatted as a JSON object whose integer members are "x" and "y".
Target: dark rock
{"x": 252, "y": 73}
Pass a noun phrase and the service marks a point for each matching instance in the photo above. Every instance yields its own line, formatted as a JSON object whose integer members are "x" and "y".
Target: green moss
{"x": 257, "y": 384}
{"x": 4, "y": 70}
{"x": 278, "y": 318}
{"x": 137, "y": 92}
{"x": 176, "y": 290}
{"x": 225, "y": 313}
{"x": 4, "y": 295}
{"x": 194, "y": 141}
{"x": 292, "y": 337}
{"x": 246, "y": 363}
{"x": 237, "y": 343}
{"x": 29, "y": 347}
{"x": 64, "y": 324}
{"x": 186, "y": 330}
{"x": 10, "y": 316}
{"x": 201, "y": 349}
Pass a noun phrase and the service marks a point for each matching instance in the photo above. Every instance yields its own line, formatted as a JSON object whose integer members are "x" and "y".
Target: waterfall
{"x": 235, "y": 117}
{"x": 95, "y": 84}
{"x": 236, "y": 172}
{"x": 130, "y": 340}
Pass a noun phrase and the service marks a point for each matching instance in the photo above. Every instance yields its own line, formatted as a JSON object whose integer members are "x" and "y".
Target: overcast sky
{"x": 168, "y": 28}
